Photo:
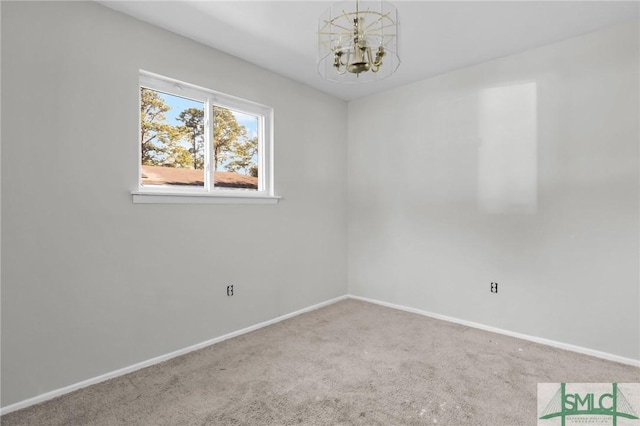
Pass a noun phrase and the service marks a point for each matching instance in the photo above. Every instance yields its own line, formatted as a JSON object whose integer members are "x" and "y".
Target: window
{"x": 198, "y": 145}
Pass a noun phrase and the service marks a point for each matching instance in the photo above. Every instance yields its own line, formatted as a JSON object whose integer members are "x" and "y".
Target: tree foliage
{"x": 193, "y": 119}
{"x": 243, "y": 161}
{"x": 226, "y": 132}
{"x": 158, "y": 139}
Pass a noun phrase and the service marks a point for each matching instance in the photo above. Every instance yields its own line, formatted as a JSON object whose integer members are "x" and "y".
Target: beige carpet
{"x": 351, "y": 363}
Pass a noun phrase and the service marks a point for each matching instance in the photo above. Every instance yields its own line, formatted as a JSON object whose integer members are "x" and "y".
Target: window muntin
{"x": 204, "y": 141}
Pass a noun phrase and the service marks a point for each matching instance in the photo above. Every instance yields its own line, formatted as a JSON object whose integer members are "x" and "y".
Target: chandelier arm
{"x": 326, "y": 23}
{"x": 387, "y": 43}
{"x": 370, "y": 59}
{"x": 380, "y": 18}
{"x": 375, "y": 65}
{"x": 341, "y": 27}
{"x": 346, "y": 60}
{"x": 381, "y": 28}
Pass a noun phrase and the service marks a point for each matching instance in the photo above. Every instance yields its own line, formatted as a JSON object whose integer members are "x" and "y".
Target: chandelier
{"x": 358, "y": 44}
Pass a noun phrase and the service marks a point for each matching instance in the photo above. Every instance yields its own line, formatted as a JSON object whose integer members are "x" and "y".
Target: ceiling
{"x": 435, "y": 36}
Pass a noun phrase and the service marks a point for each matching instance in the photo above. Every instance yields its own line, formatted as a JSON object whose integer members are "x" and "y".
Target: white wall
{"x": 91, "y": 282}
{"x": 522, "y": 170}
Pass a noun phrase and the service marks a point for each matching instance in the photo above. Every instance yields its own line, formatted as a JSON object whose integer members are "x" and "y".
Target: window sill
{"x": 141, "y": 197}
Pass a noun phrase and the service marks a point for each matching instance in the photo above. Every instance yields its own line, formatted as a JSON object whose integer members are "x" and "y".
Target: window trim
{"x": 208, "y": 194}
{"x": 140, "y": 197}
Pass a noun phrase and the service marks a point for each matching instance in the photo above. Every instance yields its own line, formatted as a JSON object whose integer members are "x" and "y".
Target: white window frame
{"x": 209, "y": 194}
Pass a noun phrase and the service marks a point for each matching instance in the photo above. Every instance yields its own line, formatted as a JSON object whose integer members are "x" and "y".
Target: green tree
{"x": 244, "y": 154}
{"x": 157, "y": 138}
{"x": 181, "y": 157}
{"x": 226, "y": 132}
{"x": 193, "y": 119}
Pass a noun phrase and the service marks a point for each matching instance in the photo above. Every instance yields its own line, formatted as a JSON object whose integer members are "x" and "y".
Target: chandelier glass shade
{"x": 358, "y": 41}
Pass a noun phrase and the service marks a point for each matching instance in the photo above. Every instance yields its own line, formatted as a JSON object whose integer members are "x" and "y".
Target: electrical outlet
{"x": 230, "y": 290}
{"x": 494, "y": 287}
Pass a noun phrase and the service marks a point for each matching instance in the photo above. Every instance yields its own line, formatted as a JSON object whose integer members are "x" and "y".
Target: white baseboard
{"x": 560, "y": 345}
{"x": 67, "y": 389}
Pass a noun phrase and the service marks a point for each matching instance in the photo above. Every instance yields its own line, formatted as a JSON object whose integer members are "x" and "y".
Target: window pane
{"x": 171, "y": 140}
{"x": 235, "y": 149}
